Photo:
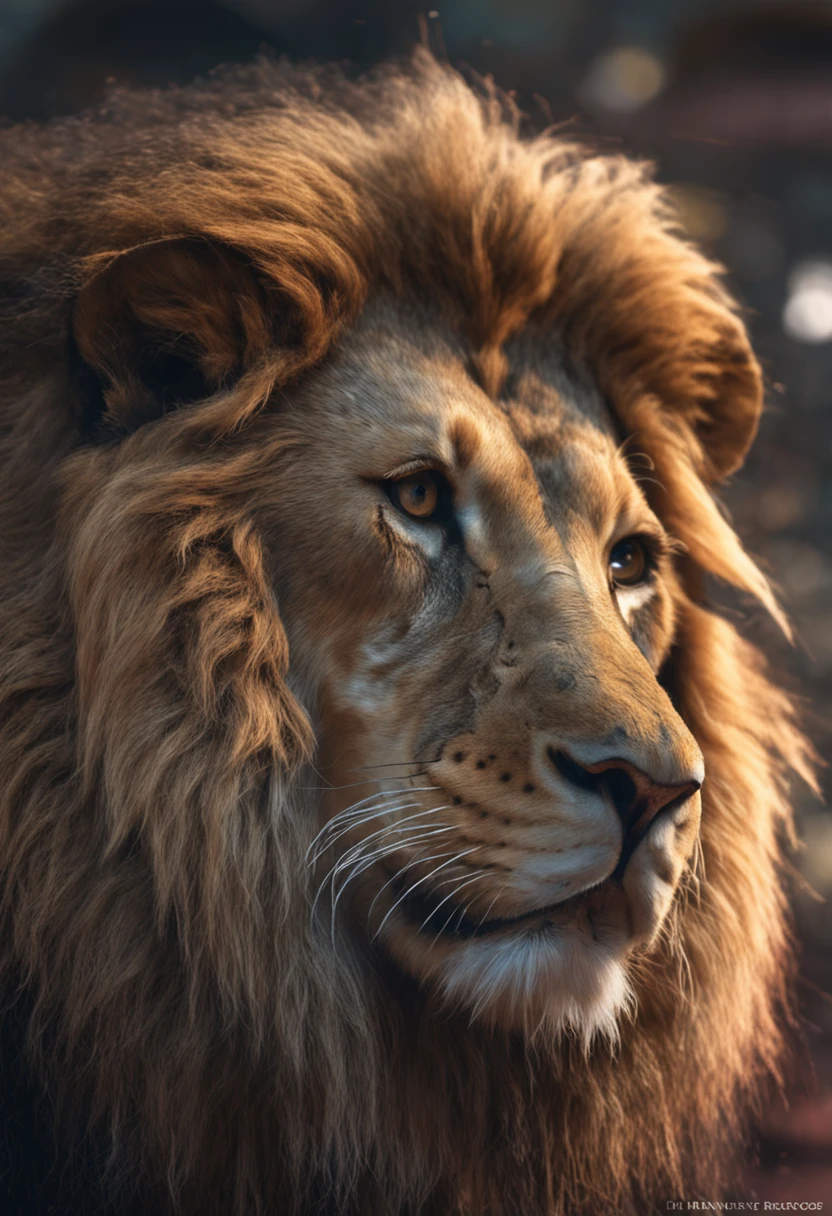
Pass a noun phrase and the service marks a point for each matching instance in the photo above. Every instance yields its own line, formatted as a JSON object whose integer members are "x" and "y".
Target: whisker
{"x": 360, "y": 845}
{"x": 418, "y": 883}
{"x": 414, "y": 789}
{"x": 363, "y": 864}
{"x": 464, "y": 913}
{"x": 403, "y": 870}
{"x": 354, "y": 811}
{"x": 409, "y": 865}
{"x": 360, "y": 865}
{"x": 363, "y": 768}
{"x": 348, "y": 812}
{"x": 351, "y": 785}
{"x": 383, "y": 847}
{"x": 408, "y": 837}
{"x": 354, "y": 853}
{"x": 318, "y": 773}
{"x": 415, "y": 834}
{"x": 450, "y": 918}
{"x": 491, "y": 905}
{"x": 450, "y": 895}
{"x": 375, "y": 813}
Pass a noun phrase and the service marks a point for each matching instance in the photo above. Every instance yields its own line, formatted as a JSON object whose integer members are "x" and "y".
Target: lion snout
{"x": 555, "y": 817}
{"x": 637, "y": 797}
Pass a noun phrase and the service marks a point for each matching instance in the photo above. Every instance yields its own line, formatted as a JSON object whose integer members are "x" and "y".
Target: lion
{"x": 389, "y": 821}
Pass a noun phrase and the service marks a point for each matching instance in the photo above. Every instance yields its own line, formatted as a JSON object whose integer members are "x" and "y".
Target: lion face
{"x": 480, "y": 601}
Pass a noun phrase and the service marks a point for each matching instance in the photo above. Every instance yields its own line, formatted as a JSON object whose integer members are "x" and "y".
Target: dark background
{"x": 733, "y": 101}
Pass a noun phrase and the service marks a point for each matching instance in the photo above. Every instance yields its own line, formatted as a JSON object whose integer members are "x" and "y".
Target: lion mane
{"x": 154, "y": 749}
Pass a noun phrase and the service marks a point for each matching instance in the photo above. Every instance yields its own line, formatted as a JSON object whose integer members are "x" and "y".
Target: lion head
{"x": 387, "y": 820}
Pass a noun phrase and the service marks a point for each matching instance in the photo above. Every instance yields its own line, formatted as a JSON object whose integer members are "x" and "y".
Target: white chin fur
{"x": 542, "y": 981}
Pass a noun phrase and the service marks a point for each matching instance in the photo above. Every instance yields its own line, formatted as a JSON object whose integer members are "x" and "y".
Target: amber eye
{"x": 417, "y": 494}
{"x": 629, "y": 563}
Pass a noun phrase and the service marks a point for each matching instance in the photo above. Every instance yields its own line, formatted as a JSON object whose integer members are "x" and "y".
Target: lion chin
{"x": 563, "y": 970}
{"x": 388, "y": 823}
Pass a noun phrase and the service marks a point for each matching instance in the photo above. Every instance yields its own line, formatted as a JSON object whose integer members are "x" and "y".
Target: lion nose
{"x": 636, "y": 796}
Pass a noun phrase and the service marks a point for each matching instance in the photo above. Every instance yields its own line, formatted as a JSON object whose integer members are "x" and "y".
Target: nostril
{"x": 621, "y": 789}
{"x": 616, "y": 782}
{"x": 637, "y": 798}
{"x": 572, "y": 771}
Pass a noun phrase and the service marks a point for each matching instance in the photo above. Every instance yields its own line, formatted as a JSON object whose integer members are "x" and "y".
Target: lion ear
{"x": 713, "y": 380}
{"x": 687, "y": 349}
{"x": 163, "y": 325}
{"x": 642, "y": 306}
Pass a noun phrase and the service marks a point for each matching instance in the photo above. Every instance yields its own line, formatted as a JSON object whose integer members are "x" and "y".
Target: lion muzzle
{"x": 637, "y": 797}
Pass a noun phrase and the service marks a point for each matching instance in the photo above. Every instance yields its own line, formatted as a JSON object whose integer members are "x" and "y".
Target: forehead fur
{"x": 409, "y": 181}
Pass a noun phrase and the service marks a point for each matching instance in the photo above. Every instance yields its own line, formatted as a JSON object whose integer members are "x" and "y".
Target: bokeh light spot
{"x": 807, "y": 315}
{"x": 624, "y": 79}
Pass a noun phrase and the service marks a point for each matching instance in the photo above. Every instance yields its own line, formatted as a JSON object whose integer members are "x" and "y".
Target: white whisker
{"x": 351, "y": 785}
{"x": 418, "y": 883}
{"x": 451, "y": 895}
{"x": 491, "y": 905}
{"x": 388, "y": 827}
{"x": 363, "y": 843}
{"x": 413, "y": 861}
{"x": 348, "y": 811}
{"x": 354, "y": 854}
{"x": 464, "y": 913}
{"x": 361, "y": 864}
{"x": 385, "y": 847}
{"x": 357, "y": 810}
{"x": 365, "y": 768}
{"x": 410, "y": 863}
{"x": 358, "y": 814}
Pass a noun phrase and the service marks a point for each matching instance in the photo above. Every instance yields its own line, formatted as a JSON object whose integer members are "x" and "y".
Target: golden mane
{"x": 179, "y": 995}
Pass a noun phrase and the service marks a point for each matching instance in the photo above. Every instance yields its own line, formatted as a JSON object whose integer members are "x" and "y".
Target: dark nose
{"x": 634, "y": 794}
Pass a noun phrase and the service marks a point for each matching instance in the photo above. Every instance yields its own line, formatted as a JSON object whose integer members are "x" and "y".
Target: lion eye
{"x": 416, "y": 494}
{"x": 629, "y": 563}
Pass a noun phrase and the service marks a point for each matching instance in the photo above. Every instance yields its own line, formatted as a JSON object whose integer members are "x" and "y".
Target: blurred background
{"x": 733, "y": 101}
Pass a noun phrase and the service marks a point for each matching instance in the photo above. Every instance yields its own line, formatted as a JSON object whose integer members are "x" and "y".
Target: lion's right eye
{"x": 629, "y": 562}
{"x": 417, "y": 494}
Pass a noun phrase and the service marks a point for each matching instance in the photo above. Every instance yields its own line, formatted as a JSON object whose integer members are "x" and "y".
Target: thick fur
{"x": 155, "y": 743}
